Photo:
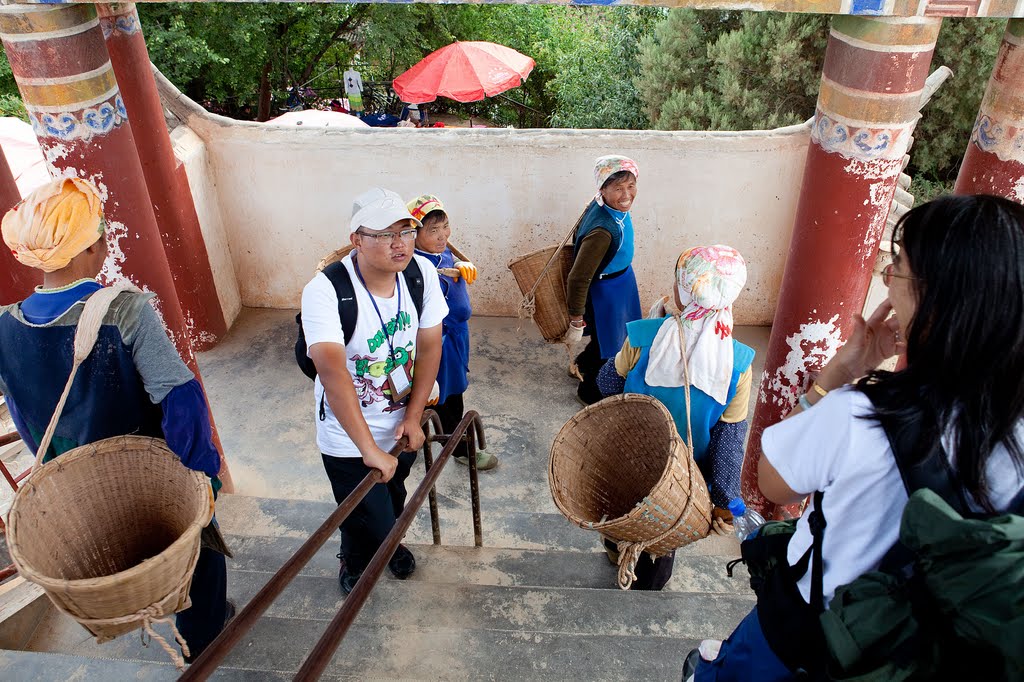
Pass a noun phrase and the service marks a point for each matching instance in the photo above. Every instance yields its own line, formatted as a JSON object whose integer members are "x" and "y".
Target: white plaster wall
{"x": 191, "y": 152}
{"x": 285, "y": 197}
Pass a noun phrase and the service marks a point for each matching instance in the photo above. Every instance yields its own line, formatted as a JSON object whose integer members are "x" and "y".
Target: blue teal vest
{"x": 704, "y": 411}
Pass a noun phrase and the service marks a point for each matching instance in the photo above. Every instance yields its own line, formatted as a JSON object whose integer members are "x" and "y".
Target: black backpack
{"x": 348, "y": 311}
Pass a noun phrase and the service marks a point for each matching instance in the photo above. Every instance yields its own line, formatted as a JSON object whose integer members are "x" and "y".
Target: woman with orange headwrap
{"x": 134, "y": 380}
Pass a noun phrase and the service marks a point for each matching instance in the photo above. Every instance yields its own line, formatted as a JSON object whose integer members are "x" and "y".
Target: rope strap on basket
{"x": 528, "y": 306}
{"x": 149, "y": 615}
{"x": 629, "y": 551}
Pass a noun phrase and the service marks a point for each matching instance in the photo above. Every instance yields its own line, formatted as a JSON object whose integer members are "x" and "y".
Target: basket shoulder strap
{"x": 86, "y": 332}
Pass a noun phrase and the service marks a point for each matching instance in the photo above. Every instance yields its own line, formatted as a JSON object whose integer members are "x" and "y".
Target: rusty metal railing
{"x": 13, "y": 481}
{"x": 469, "y": 429}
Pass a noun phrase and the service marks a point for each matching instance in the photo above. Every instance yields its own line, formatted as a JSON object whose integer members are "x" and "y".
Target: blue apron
{"x": 453, "y": 374}
{"x": 613, "y": 294}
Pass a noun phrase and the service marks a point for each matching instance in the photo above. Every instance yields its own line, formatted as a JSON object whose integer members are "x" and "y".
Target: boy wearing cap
{"x": 372, "y": 390}
{"x": 454, "y": 275}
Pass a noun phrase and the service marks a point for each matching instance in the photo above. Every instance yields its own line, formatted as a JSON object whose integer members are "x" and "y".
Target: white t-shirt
{"x": 368, "y": 350}
{"x": 353, "y": 82}
{"x": 831, "y": 448}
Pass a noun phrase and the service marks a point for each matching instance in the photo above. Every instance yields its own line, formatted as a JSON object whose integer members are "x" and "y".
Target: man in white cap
{"x": 373, "y": 380}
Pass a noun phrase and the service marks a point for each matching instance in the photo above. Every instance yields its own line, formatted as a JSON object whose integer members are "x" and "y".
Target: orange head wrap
{"x": 54, "y": 224}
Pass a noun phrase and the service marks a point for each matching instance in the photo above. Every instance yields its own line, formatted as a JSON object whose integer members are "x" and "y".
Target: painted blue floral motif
{"x": 865, "y": 143}
{"x": 126, "y": 23}
{"x": 862, "y": 144}
{"x": 75, "y": 125}
{"x": 987, "y": 133}
{"x": 1005, "y": 139}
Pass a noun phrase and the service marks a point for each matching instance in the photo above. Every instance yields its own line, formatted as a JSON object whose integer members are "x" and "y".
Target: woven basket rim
{"x": 604, "y": 404}
{"x": 518, "y": 259}
{"x": 70, "y": 458}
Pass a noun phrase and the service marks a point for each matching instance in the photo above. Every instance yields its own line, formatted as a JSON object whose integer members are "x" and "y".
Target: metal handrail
{"x": 218, "y": 650}
{"x": 325, "y": 648}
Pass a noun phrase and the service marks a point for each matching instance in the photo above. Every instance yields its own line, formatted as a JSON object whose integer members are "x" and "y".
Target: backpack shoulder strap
{"x": 933, "y": 472}
{"x": 348, "y": 308}
{"x": 414, "y": 280}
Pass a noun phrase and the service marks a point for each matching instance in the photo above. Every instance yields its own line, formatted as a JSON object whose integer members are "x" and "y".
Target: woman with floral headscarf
{"x": 601, "y": 291}
{"x": 699, "y": 338}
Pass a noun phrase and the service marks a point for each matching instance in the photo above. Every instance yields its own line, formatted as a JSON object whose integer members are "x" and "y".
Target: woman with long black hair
{"x": 956, "y": 308}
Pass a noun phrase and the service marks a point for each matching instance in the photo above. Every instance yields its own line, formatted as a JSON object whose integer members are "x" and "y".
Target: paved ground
{"x": 263, "y": 406}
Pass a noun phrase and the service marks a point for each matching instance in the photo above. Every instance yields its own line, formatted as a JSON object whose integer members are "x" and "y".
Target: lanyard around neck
{"x": 398, "y": 315}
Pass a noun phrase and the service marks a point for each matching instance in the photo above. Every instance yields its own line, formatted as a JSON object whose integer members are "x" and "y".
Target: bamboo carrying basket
{"x": 111, "y": 532}
{"x": 620, "y": 467}
{"x": 336, "y": 256}
{"x": 546, "y": 286}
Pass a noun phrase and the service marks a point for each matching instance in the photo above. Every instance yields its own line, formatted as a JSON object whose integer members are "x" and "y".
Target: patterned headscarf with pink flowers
{"x": 607, "y": 166}
{"x": 708, "y": 281}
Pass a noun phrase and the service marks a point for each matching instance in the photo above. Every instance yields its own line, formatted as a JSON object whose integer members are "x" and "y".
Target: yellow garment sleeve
{"x": 736, "y": 410}
{"x": 626, "y": 359}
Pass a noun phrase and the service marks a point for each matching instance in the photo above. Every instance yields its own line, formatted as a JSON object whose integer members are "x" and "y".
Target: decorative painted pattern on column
{"x": 167, "y": 184}
{"x": 871, "y": 85}
{"x": 994, "y": 161}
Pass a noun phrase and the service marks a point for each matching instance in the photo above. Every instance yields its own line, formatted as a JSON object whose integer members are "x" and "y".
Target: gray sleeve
{"x": 156, "y": 358}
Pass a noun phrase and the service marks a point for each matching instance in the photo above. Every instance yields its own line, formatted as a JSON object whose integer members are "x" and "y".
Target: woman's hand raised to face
{"x": 871, "y": 342}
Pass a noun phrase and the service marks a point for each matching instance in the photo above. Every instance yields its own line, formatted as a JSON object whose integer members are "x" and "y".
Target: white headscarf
{"x": 708, "y": 280}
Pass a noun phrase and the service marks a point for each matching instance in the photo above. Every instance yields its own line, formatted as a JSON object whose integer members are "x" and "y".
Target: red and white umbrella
{"x": 464, "y": 72}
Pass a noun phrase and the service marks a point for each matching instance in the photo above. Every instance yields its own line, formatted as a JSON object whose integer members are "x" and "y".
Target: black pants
{"x": 370, "y": 522}
{"x": 651, "y": 573}
{"x": 590, "y": 362}
{"x": 202, "y": 622}
{"x": 451, "y": 412}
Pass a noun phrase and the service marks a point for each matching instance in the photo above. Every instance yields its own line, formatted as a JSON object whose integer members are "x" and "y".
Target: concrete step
{"x": 494, "y": 566}
{"x": 28, "y": 666}
{"x": 420, "y": 630}
{"x": 276, "y": 647}
{"x": 242, "y": 515}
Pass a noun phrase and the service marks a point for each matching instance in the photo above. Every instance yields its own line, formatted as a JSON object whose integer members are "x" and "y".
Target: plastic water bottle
{"x": 744, "y": 521}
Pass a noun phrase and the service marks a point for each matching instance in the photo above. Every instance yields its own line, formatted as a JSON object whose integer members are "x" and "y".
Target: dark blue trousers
{"x": 202, "y": 622}
{"x": 370, "y": 522}
{"x": 744, "y": 657}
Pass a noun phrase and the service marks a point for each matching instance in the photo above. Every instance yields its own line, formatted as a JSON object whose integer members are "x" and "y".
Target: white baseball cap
{"x": 378, "y": 209}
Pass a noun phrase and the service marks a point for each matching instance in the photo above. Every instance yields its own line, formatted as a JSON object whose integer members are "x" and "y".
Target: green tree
{"x": 732, "y": 71}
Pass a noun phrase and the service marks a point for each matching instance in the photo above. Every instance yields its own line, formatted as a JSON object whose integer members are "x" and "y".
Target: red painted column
{"x": 874, "y": 72}
{"x": 994, "y": 161}
{"x": 66, "y": 81}
{"x": 168, "y": 188}
{"x": 16, "y": 280}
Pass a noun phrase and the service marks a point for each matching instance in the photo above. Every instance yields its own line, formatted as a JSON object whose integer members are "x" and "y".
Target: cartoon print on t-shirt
{"x": 371, "y": 375}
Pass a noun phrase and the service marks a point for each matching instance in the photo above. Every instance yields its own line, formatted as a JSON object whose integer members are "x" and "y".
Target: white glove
{"x": 467, "y": 270}
{"x": 658, "y": 310}
{"x": 573, "y": 335}
{"x": 435, "y": 394}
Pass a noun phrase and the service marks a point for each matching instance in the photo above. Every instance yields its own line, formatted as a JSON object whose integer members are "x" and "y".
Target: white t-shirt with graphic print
{"x": 368, "y": 350}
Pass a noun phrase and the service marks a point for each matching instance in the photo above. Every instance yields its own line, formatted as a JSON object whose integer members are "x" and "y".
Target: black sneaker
{"x": 345, "y": 579}
{"x": 402, "y": 563}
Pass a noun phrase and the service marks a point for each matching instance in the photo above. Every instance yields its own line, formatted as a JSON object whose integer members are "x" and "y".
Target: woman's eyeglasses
{"x": 389, "y": 237}
{"x": 888, "y": 274}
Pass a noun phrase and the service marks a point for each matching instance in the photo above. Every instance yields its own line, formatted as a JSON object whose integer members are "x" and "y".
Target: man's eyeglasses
{"x": 389, "y": 237}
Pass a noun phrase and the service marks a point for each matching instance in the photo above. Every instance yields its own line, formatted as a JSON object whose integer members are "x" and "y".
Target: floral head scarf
{"x": 708, "y": 280}
{"x": 54, "y": 223}
{"x": 607, "y": 166}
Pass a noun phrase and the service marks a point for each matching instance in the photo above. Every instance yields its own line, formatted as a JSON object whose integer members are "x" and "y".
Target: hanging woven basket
{"x": 111, "y": 532}
{"x": 619, "y": 467}
{"x": 541, "y": 276}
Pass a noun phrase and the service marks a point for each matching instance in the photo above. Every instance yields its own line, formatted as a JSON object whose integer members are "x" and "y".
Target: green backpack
{"x": 946, "y": 603}
{"x": 948, "y": 599}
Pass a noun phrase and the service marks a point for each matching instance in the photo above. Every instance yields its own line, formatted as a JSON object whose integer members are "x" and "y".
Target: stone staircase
{"x": 538, "y": 602}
